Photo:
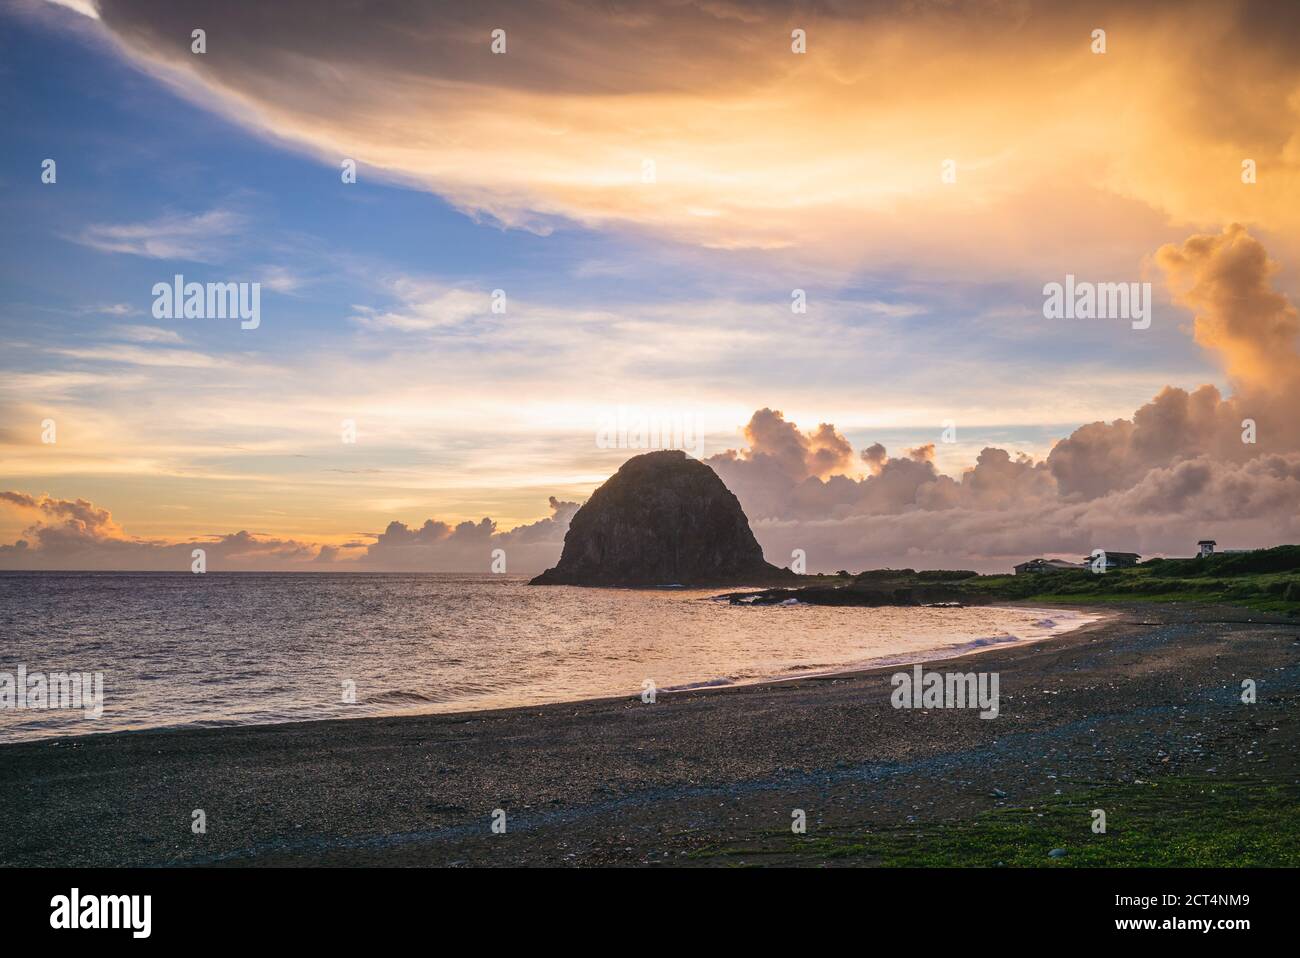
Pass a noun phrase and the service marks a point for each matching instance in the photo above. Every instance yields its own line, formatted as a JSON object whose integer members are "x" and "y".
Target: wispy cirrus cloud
{"x": 113, "y": 309}
{"x": 198, "y": 237}
{"x": 831, "y": 155}
{"x": 423, "y": 306}
{"x": 146, "y": 334}
{"x": 142, "y": 356}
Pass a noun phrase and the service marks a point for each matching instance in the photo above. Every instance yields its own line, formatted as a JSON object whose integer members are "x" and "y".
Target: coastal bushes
{"x": 1267, "y": 580}
{"x": 1223, "y": 564}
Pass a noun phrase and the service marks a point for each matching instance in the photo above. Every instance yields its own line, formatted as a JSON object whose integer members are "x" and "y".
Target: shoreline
{"x": 953, "y": 654}
{"x": 957, "y": 650}
{"x": 616, "y": 781}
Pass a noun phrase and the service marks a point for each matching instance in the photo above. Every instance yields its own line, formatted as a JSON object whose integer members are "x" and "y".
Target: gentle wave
{"x": 219, "y": 650}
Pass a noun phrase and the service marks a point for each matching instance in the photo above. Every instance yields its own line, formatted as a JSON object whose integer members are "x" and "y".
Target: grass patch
{"x": 1186, "y": 822}
{"x": 1266, "y": 580}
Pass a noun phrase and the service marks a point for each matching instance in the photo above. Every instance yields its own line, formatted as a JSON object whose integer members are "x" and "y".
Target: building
{"x": 1206, "y": 547}
{"x": 1045, "y": 565}
{"x": 1114, "y": 560}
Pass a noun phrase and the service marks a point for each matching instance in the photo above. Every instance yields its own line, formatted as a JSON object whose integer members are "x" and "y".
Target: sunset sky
{"x": 527, "y": 172}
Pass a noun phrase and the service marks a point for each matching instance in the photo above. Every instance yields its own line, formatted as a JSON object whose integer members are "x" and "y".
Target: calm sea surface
{"x": 229, "y": 649}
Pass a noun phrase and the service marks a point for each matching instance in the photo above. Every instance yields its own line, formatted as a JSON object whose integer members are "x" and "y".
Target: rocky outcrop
{"x": 855, "y": 596}
{"x": 662, "y": 519}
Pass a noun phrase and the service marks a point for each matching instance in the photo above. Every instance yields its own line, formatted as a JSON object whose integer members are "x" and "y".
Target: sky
{"x": 608, "y": 220}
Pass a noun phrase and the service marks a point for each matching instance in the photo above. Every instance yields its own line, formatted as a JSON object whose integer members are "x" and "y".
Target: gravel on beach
{"x": 1148, "y": 691}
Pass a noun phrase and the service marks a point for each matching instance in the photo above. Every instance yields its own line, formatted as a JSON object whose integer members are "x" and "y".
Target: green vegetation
{"x": 1175, "y": 821}
{"x": 1266, "y": 580}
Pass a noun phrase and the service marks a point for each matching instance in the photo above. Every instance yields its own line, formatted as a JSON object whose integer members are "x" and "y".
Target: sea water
{"x": 249, "y": 648}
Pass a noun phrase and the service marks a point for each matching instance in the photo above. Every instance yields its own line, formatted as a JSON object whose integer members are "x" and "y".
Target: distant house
{"x": 1045, "y": 565}
{"x": 1114, "y": 560}
{"x": 1206, "y": 547}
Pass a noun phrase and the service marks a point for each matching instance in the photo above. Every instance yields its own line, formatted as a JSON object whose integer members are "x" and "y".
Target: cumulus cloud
{"x": 1243, "y": 505}
{"x": 77, "y": 534}
{"x": 891, "y": 485}
{"x": 1225, "y": 279}
{"x": 779, "y": 457}
{"x": 1177, "y": 471}
{"x": 439, "y": 547}
{"x": 78, "y": 515}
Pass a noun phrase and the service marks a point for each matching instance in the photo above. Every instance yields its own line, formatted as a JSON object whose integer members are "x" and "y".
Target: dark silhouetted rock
{"x": 662, "y": 519}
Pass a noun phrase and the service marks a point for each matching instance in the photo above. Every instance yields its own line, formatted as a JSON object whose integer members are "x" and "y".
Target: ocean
{"x": 221, "y": 649}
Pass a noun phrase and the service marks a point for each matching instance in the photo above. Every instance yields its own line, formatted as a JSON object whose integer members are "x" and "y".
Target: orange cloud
{"x": 1225, "y": 280}
{"x": 698, "y": 122}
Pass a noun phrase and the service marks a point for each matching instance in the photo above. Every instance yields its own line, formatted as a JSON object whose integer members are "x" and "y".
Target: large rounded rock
{"x": 662, "y": 519}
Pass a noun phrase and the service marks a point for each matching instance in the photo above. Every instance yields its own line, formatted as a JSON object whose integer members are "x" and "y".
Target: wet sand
{"x": 1150, "y": 691}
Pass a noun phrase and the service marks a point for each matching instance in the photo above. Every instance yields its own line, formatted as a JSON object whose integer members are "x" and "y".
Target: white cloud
{"x": 280, "y": 279}
{"x": 84, "y": 7}
{"x": 139, "y": 356}
{"x": 147, "y": 334}
{"x": 424, "y": 306}
{"x": 196, "y": 237}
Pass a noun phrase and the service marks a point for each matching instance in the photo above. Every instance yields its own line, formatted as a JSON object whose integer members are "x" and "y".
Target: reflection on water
{"x": 221, "y": 649}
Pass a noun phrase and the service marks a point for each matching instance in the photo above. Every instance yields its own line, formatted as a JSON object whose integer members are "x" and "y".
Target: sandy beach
{"x": 704, "y": 777}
